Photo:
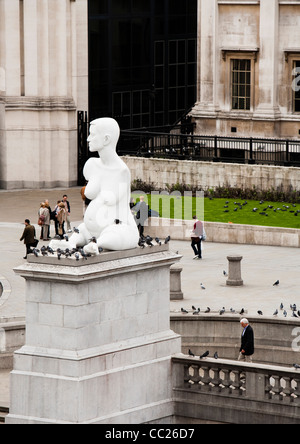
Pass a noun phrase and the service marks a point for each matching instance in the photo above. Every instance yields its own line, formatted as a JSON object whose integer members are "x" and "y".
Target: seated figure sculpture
{"x": 108, "y": 219}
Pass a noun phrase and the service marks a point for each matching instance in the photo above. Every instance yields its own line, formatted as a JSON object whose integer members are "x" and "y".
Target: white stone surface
{"x": 98, "y": 343}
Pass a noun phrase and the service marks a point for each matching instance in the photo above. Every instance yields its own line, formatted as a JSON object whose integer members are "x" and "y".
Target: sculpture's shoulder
{"x": 91, "y": 167}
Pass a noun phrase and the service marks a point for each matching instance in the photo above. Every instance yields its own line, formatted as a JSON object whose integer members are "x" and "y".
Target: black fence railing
{"x": 210, "y": 148}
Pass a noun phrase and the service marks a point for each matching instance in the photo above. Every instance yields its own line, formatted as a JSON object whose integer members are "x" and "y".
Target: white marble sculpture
{"x": 108, "y": 218}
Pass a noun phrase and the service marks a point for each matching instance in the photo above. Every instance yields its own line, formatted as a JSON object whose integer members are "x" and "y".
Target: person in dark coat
{"x": 28, "y": 237}
{"x": 247, "y": 342}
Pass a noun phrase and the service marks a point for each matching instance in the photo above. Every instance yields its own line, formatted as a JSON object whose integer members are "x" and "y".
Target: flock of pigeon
{"x": 293, "y": 307}
{"x": 197, "y": 311}
{"x": 148, "y": 241}
{"x": 264, "y": 211}
{"x": 80, "y": 253}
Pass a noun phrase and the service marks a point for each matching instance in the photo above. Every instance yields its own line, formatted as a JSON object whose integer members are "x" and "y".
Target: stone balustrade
{"x": 231, "y": 391}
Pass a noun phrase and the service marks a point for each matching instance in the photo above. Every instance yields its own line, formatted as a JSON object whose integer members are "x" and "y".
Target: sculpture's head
{"x": 103, "y": 132}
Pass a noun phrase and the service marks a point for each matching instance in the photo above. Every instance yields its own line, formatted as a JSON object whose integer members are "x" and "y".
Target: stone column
{"x": 98, "y": 340}
{"x": 10, "y": 45}
{"x": 208, "y": 55}
{"x": 234, "y": 274}
{"x": 268, "y": 107}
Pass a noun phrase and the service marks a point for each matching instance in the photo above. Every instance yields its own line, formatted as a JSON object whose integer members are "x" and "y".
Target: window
{"x": 241, "y": 84}
{"x": 296, "y": 86}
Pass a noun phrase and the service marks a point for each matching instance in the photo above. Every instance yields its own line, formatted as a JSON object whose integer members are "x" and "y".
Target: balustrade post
{"x": 255, "y": 385}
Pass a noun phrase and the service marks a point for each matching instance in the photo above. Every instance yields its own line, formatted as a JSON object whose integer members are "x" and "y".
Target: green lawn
{"x": 274, "y": 214}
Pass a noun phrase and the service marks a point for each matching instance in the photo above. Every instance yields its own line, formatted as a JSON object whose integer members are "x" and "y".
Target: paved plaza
{"x": 261, "y": 266}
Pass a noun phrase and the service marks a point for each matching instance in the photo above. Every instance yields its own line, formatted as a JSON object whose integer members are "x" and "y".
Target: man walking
{"x": 247, "y": 343}
{"x": 196, "y": 237}
{"x": 29, "y": 237}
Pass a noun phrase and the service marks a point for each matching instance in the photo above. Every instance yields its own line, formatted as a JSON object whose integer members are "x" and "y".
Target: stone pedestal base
{"x": 176, "y": 293}
{"x": 98, "y": 342}
{"x": 234, "y": 274}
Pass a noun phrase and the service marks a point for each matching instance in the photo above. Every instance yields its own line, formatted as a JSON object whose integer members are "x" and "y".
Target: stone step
{"x": 4, "y": 411}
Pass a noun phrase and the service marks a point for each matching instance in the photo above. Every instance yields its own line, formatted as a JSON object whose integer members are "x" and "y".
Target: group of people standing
{"x": 60, "y": 215}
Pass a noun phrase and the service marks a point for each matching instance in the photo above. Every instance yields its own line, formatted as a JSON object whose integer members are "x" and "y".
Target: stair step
{"x": 4, "y": 411}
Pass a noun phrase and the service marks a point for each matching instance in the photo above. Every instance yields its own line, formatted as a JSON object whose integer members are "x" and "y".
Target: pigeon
{"x": 44, "y": 251}
{"x": 77, "y": 256}
{"x": 294, "y": 315}
{"x": 204, "y": 355}
{"x": 225, "y": 273}
{"x": 35, "y": 251}
{"x": 158, "y": 241}
{"x": 281, "y": 306}
{"x": 222, "y": 311}
{"x": 141, "y": 243}
{"x": 208, "y": 310}
{"x": 275, "y": 313}
{"x": 296, "y": 366}
{"x": 167, "y": 240}
{"x": 118, "y": 222}
{"x": 202, "y": 286}
{"x": 149, "y": 241}
{"x": 276, "y": 283}
{"x": 49, "y": 249}
{"x": 196, "y": 312}
{"x": 260, "y": 313}
{"x": 191, "y": 353}
{"x": 293, "y": 307}
{"x": 194, "y": 308}
{"x": 66, "y": 237}
{"x": 216, "y": 356}
{"x": 285, "y": 313}
{"x": 83, "y": 254}
{"x": 184, "y": 311}
{"x": 232, "y": 310}
{"x": 242, "y": 311}
{"x": 76, "y": 230}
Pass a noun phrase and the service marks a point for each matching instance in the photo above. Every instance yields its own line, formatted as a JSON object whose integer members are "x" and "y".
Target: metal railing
{"x": 210, "y": 148}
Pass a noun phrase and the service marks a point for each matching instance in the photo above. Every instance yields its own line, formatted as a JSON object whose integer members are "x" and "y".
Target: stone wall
{"x": 226, "y": 233}
{"x": 205, "y": 175}
{"x": 274, "y": 338}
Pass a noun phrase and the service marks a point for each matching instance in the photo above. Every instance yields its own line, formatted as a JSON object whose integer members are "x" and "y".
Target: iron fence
{"x": 181, "y": 143}
{"x": 210, "y": 148}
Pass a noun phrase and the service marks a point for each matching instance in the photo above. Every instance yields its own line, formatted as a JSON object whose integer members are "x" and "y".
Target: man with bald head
{"x": 247, "y": 343}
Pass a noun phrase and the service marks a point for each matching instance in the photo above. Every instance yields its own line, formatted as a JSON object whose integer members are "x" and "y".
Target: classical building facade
{"x": 249, "y": 68}
{"x": 142, "y": 62}
{"x": 43, "y": 81}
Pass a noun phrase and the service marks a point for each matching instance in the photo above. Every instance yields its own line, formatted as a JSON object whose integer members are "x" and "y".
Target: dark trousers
{"x": 28, "y": 248}
{"x": 196, "y": 246}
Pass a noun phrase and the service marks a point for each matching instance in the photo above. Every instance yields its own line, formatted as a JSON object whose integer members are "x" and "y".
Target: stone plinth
{"x": 98, "y": 341}
{"x": 176, "y": 293}
{"x": 234, "y": 273}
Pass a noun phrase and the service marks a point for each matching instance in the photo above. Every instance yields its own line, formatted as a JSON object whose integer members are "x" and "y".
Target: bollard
{"x": 175, "y": 283}
{"x": 234, "y": 271}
